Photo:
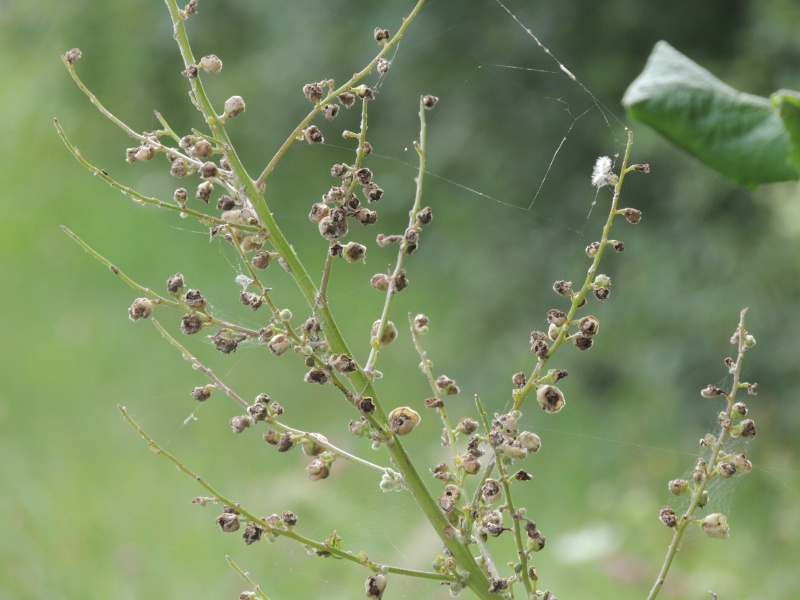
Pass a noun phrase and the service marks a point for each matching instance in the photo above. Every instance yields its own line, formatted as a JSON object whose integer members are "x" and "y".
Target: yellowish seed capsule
{"x": 402, "y": 420}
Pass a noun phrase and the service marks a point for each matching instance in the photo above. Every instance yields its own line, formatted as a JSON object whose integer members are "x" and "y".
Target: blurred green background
{"x": 91, "y": 514}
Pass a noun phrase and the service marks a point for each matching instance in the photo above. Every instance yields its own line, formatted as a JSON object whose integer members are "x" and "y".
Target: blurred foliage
{"x": 90, "y": 513}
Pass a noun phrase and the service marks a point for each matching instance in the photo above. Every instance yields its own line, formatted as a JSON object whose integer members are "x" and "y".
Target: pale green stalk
{"x": 289, "y": 533}
{"x": 687, "y": 518}
{"x": 246, "y": 577}
{"x": 577, "y": 299}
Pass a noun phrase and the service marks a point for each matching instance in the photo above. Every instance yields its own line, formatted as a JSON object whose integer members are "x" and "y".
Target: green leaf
{"x": 740, "y": 135}
{"x": 788, "y": 104}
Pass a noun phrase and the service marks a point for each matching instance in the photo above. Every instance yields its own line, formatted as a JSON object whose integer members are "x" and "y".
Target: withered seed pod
{"x": 402, "y": 420}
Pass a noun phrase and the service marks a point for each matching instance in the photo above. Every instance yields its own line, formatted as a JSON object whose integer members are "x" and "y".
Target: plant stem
{"x": 137, "y": 197}
{"x": 688, "y": 516}
{"x": 463, "y": 556}
{"x": 246, "y": 577}
{"x": 333, "y": 94}
{"x": 289, "y": 533}
{"x": 515, "y": 516}
{"x": 577, "y": 299}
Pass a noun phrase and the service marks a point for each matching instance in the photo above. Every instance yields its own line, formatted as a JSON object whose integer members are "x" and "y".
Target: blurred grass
{"x": 91, "y": 513}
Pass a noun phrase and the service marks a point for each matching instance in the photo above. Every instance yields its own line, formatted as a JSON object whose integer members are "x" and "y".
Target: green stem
{"x": 429, "y": 506}
{"x": 246, "y": 577}
{"x": 401, "y": 253}
{"x": 688, "y": 516}
{"x": 322, "y": 298}
{"x": 515, "y": 516}
{"x": 289, "y": 533}
{"x": 333, "y": 94}
{"x": 151, "y": 294}
{"x": 137, "y": 197}
{"x": 577, "y": 299}
{"x": 427, "y": 367}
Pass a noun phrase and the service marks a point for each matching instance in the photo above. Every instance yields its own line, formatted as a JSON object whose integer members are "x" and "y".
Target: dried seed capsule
{"x": 366, "y": 216}
{"x": 678, "y": 486}
{"x": 530, "y": 441}
{"x": 228, "y": 522}
{"x": 258, "y": 412}
{"x": 195, "y": 300}
{"x": 550, "y": 398}
{"x": 225, "y": 203}
{"x": 191, "y": 324}
{"x": 208, "y": 170}
{"x": 261, "y": 260}
{"x": 313, "y": 91}
{"x": 745, "y": 429}
{"x": 365, "y": 404}
{"x": 383, "y": 66}
{"x": 425, "y": 215}
{"x": 563, "y": 288}
{"x": 374, "y": 586}
{"x": 380, "y": 281}
{"x": 240, "y": 423}
{"x": 668, "y": 517}
{"x": 330, "y": 111}
{"x": 589, "y": 326}
{"x": 403, "y": 420}
{"x": 372, "y": 192}
{"x": 202, "y": 393}
{"x": 381, "y": 35}
{"x": 343, "y": 363}
{"x": 421, "y": 323}
{"x": 428, "y": 101}
{"x": 618, "y": 246}
{"x": 190, "y": 72}
{"x": 332, "y": 227}
{"x": 319, "y": 376}
{"x": 178, "y": 168}
{"x": 711, "y": 391}
{"x": 447, "y": 386}
{"x": 491, "y": 491}
{"x": 556, "y": 317}
{"x": 234, "y": 106}
{"x": 514, "y": 450}
{"x": 401, "y": 281}
{"x": 726, "y": 469}
{"x": 279, "y": 344}
{"x": 470, "y": 465}
{"x": 591, "y": 249}
{"x": 353, "y": 252}
{"x": 363, "y": 176}
{"x": 201, "y": 149}
{"x": 738, "y": 410}
{"x": 741, "y": 463}
{"x": 204, "y": 191}
{"x": 318, "y": 469}
{"x": 140, "y": 309}
{"x": 582, "y": 342}
{"x": 347, "y": 99}
{"x": 145, "y": 153}
{"x": 632, "y": 215}
{"x": 715, "y": 526}
{"x": 73, "y": 55}
{"x": 313, "y": 135}
{"x": 252, "y": 533}
{"x": 224, "y": 342}
{"x": 211, "y": 64}
{"x": 388, "y": 335}
{"x": 285, "y": 442}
